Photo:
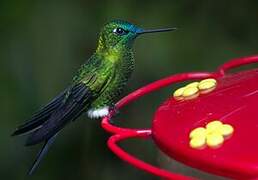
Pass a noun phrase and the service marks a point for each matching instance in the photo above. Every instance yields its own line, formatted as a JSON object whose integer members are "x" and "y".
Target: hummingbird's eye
{"x": 120, "y": 31}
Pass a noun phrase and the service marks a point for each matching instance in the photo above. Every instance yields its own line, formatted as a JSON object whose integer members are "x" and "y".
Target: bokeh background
{"x": 42, "y": 44}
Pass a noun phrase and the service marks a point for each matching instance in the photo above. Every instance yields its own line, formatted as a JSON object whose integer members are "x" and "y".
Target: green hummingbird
{"x": 94, "y": 90}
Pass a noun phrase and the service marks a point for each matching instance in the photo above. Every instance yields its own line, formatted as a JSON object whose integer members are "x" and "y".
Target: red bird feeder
{"x": 232, "y": 103}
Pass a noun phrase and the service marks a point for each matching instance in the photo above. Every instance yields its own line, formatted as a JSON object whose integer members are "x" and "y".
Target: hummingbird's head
{"x": 119, "y": 33}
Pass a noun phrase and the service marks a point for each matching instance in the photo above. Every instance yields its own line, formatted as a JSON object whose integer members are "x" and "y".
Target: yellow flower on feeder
{"x": 213, "y": 135}
{"x": 193, "y": 89}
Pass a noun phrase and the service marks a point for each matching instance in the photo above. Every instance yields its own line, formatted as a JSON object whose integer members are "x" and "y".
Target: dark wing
{"x": 75, "y": 102}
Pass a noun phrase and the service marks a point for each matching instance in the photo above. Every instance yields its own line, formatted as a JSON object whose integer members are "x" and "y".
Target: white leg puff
{"x": 98, "y": 113}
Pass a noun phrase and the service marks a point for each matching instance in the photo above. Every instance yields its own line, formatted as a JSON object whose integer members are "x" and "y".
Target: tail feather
{"x": 74, "y": 105}
{"x": 41, "y": 116}
{"x": 47, "y": 122}
{"x": 41, "y": 154}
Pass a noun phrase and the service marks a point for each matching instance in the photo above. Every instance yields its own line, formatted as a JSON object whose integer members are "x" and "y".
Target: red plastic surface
{"x": 233, "y": 102}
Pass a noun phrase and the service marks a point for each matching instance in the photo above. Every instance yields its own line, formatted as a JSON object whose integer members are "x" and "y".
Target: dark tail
{"x": 41, "y": 154}
{"x": 41, "y": 116}
{"x": 73, "y": 106}
{"x": 47, "y": 122}
{"x": 55, "y": 115}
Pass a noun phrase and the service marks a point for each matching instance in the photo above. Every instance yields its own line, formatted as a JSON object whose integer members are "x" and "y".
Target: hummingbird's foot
{"x": 114, "y": 111}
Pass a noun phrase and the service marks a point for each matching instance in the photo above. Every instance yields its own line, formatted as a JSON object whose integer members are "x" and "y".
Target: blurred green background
{"x": 42, "y": 43}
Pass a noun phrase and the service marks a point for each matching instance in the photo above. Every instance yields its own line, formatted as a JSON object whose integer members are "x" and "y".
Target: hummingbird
{"x": 93, "y": 90}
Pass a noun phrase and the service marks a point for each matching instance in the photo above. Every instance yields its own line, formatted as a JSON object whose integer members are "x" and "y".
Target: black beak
{"x": 142, "y": 31}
